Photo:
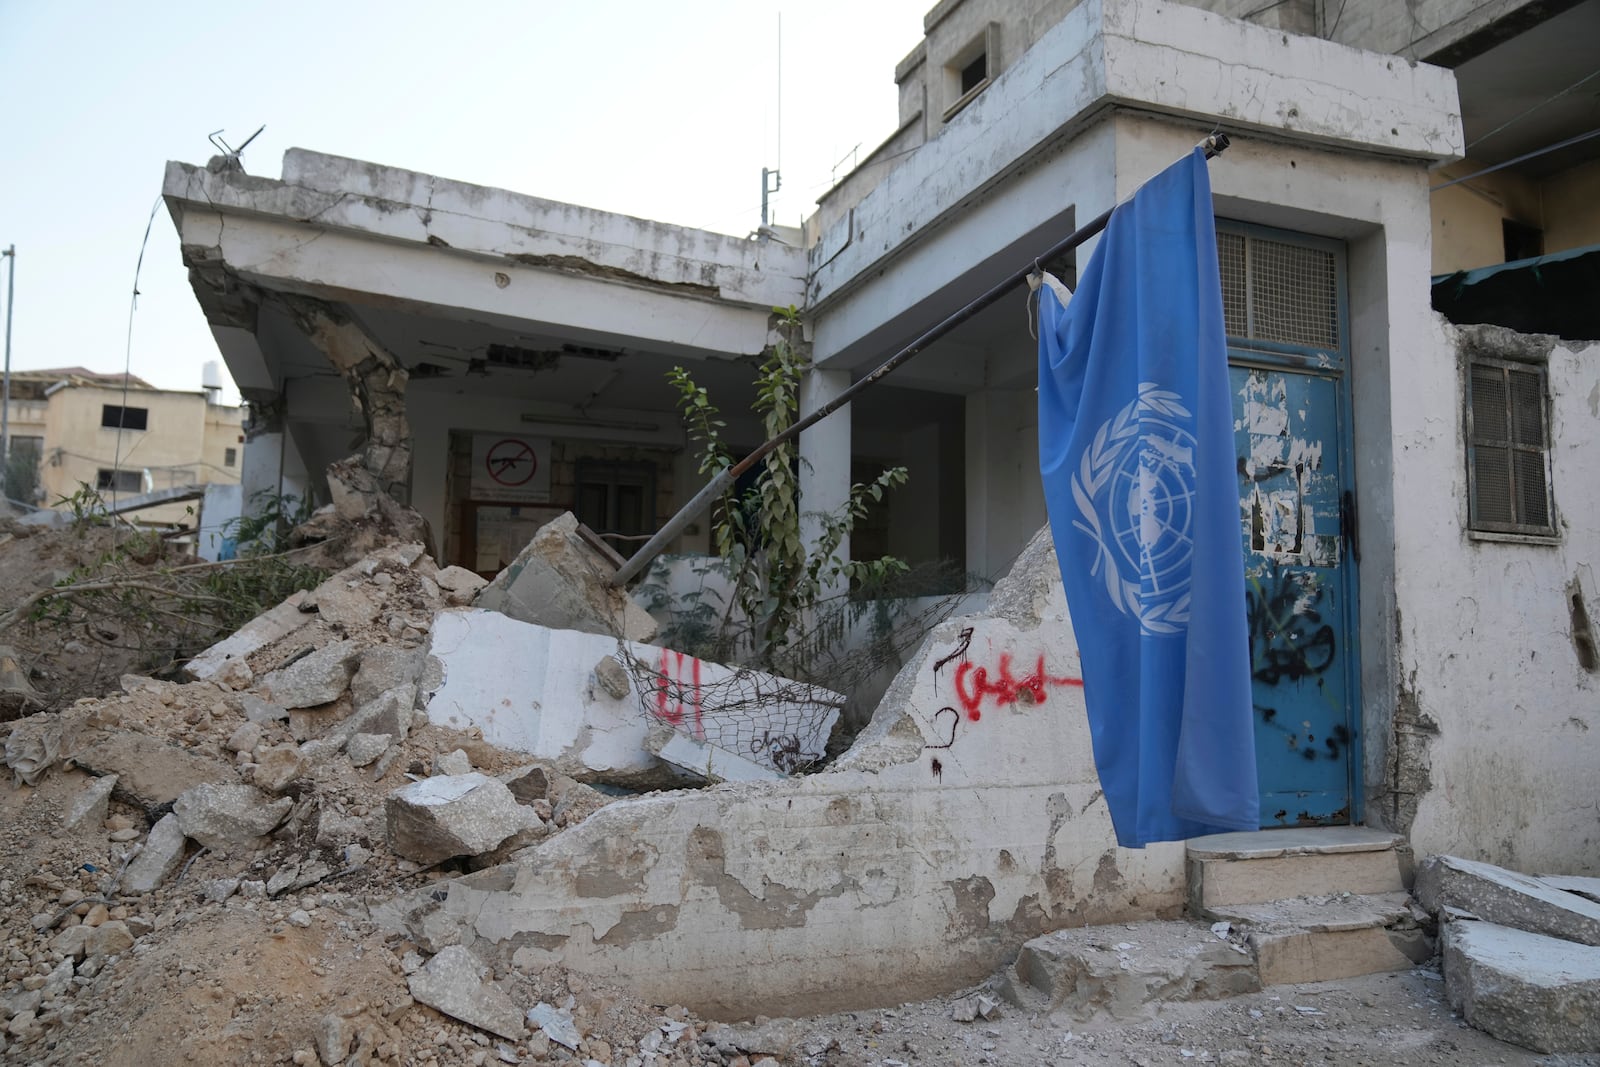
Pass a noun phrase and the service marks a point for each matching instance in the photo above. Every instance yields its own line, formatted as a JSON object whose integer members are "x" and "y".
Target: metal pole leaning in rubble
{"x": 1214, "y": 146}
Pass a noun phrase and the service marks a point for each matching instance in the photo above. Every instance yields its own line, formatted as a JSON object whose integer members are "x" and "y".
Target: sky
{"x": 664, "y": 111}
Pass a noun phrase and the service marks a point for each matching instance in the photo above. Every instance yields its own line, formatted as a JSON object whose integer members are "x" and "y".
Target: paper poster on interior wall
{"x": 510, "y": 468}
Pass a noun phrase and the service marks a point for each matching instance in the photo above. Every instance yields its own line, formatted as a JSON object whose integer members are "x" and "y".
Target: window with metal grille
{"x": 116, "y": 481}
{"x": 1508, "y": 463}
{"x": 1277, "y": 291}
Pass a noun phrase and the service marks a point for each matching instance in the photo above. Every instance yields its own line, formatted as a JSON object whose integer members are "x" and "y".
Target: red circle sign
{"x": 511, "y": 462}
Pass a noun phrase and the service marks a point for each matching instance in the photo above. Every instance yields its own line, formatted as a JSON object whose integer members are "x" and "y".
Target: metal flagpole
{"x": 1214, "y": 146}
{"x": 5, "y": 400}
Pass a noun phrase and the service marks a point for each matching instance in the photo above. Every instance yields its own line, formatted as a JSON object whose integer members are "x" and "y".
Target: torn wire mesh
{"x": 777, "y": 722}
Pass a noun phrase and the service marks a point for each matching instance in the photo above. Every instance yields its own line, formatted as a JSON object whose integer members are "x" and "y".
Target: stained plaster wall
{"x": 966, "y": 818}
{"x": 1485, "y": 627}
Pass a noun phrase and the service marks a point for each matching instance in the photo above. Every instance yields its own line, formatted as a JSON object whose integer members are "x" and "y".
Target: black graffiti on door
{"x": 1288, "y": 637}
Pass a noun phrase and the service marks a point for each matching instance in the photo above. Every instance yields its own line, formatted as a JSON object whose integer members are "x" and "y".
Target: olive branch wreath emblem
{"x": 1100, "y": 462}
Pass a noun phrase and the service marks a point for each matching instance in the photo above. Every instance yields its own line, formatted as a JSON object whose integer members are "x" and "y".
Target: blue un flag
{"x": 1137, "y": 455}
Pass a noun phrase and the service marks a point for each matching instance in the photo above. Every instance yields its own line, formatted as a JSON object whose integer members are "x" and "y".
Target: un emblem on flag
{"x": 1134, "y": 489}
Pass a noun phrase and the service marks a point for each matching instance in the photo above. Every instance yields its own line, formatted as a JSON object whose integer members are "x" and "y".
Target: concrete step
{"x": 1322, "y": 939}
{"x": 1124, "y": 972}
{"x": 1268, "y": 865}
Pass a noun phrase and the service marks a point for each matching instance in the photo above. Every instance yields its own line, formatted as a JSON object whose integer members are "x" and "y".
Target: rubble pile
{"x": 187, "y": 867}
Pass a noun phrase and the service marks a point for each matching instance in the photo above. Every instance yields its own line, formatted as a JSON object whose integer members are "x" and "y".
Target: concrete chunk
{"x": 1124, "y": 971}
{"x": 1508, "y": 898}
{"x": 452, "y": 815}
{"x": 149, "y": 773}
{"x": 213, "y": 665}
{"x": 560, "y": 582}
{"x": 229, "y": 817}
{"x": 383, "y": 668}
{"x": 452, "y": 982}
{"x": 89, "y": 807}
{"x": 317, "y": 679}
{"x": 1539, "y": 992}
{"x": 163, "y": 851}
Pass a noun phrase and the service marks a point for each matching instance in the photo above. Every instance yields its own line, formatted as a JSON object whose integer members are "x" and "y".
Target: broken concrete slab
{"x": 262, "y": 712}
{"x": 318, "y": 678}
{"x": 1572, "y": 883}
{"x": 528, "y": 784}
{"x": 344, "y": 602}
{"x": 1125, "y": 972}
{"x": 532, "y": 689}
{"x": 1508, "y": 898}
{"x": 150, "y": 773}
{"x": 224, "y": 662}
{"x": 162, "y": 852}
{"x": 705, "y": 761}
{"x": 452, "y": 815}
{"x": 229, "y": 817}
{"x": 90, "y": 806}
{"x": 559, "y": 581}
{"x": 1539, "y": 992}
{"x": 453, "y": 983}
{"x": 960, "y": 836}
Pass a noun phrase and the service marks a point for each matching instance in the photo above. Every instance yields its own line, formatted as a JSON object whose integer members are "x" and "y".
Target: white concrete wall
{"x": 917, "y": 864}
{"x": 1485, "y": 628}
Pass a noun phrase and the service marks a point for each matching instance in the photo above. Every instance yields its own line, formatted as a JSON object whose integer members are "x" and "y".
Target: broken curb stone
{"x": 452, "y": 815}
{"x": 314, "y": 680}
{"x": 229, "y": 817}
{"x": 1539, "y": 992}
{"x": 452, "y": 982}
{"x": 1507, "y": 898}
{"x": 163, "y": 851}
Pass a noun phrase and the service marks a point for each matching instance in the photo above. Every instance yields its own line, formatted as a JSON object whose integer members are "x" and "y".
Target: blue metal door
{"x": 1292, "y": 431}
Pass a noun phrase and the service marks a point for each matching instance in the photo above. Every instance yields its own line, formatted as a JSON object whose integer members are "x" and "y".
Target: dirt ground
{"x": 268, "y": 955}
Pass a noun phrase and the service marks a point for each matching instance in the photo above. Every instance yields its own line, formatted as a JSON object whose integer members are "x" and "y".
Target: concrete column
{"x": 824, "y": 453}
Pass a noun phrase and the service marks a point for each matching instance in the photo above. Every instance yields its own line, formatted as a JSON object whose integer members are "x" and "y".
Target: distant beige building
{"x": 122, "y": 440}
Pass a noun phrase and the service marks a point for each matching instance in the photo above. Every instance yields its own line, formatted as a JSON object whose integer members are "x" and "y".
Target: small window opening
{"x": 974, "y": 73}
{"x": 117, "y": 481}
{"x": 115, "y": 417}
{"x": 1508, "y": 462}
{"x": 230, "y": 456}
{"x": 1521, "y": 240}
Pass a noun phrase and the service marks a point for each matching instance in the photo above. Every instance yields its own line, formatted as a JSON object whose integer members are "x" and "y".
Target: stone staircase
{"x": 1275, "y": 907}
{"x": 1313, "y": 905}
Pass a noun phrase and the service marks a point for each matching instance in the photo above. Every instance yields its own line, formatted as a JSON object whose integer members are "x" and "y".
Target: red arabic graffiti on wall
{"x": 974, "y": 685}
{"x": 678, "y": 690}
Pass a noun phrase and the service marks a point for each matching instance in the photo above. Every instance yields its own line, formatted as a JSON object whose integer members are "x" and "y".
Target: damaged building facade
{"x": 1419, "y": 530}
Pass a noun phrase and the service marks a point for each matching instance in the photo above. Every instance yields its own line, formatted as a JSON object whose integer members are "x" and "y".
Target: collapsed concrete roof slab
{"x": 967, "y": 818}
{"x": 344, "y": 229}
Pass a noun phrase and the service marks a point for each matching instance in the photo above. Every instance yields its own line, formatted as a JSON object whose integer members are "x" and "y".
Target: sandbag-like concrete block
{"x": 1507, "y": 898}
{"x": 1539, "y": 992}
